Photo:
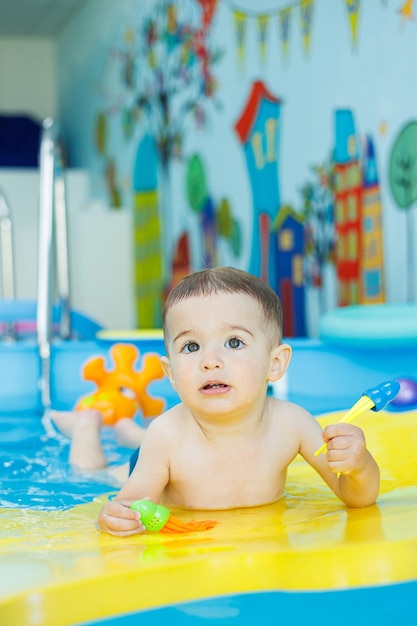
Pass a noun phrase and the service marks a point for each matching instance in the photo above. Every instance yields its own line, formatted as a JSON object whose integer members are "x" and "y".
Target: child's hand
{"x": 116, "y": 518}
{"x": 346, "y": 448}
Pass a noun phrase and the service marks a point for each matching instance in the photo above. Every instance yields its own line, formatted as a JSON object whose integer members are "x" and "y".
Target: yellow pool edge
{"x": 227, "y": 573}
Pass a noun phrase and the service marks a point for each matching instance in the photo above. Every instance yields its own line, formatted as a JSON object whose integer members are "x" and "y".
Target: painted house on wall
{"x": 148, "y": 270}
{"x": 289, "y": 227}
{"x": 372, "y": 283}
{"x": 258, "y": 130}
{"x": 348, "y": 205}
{"x": 358, "y": 218}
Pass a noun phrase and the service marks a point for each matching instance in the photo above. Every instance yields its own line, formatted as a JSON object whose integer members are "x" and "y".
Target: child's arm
{"x": 348, "y": 467}
{"x": 148, "y": 480}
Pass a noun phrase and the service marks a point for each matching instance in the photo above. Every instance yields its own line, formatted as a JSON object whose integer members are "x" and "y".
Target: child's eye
{"x": 190, "y": 347}
{"x": 234, "y": 342}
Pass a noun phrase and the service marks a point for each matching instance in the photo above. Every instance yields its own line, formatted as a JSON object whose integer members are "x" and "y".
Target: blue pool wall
{"x": 322, "y": 377}
{"x": 383, "y": 605}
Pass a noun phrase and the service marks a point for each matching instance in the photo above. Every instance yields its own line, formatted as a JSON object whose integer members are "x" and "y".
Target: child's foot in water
{"x": 84, "y": 429}
{"x": 128, "y": 434}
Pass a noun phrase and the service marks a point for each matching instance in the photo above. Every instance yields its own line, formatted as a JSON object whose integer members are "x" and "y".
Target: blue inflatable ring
{"x": 371, "y": 326}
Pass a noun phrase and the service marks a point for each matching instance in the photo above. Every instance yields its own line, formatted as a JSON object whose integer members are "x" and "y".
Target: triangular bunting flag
{"x": 406, "y": 11}
{"x": 284, "y": 21}
{"x": 306, "y": 8}
{"x": 352, "y": 7}
{"x": 263, "y": 23}
{"x": 240, "y": 27}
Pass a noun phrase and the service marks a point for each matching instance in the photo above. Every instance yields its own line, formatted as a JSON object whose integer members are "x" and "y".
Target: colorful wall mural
{"x": 147, "y": 235}
{"x": 258, "y": 131}
{"x": 359, "y": 248}
{"x": 165, "y": 71}
{"x": 279, "y": 138}
{"x": 403, "y": 185}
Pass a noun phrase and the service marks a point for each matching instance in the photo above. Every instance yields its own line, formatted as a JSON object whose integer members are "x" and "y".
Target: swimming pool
{"x": 304, "y": 558}
{"x": 34, "y": 470}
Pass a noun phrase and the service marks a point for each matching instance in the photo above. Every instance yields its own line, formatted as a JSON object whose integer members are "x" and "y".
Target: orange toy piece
{"x": 121, "y": 392}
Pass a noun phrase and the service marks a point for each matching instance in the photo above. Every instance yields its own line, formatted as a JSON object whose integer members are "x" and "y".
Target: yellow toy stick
{"x": 375, "y": 399}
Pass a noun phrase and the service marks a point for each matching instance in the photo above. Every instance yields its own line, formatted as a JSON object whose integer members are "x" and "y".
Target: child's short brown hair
{"x": 229, "y": 280}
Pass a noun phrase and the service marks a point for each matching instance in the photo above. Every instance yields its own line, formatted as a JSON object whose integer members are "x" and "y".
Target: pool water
{"x": 34, "y": 469}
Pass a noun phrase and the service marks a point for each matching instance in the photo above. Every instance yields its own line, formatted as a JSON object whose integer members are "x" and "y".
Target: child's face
{"x": 220, "y": 353}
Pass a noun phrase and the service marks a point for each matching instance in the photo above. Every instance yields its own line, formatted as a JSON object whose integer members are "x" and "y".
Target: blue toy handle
{"x": 382, "y": 394}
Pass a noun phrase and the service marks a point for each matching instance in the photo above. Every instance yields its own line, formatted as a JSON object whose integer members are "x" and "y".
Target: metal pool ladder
{"x": 7, "y": 262}
{"x": 53, "y": 266}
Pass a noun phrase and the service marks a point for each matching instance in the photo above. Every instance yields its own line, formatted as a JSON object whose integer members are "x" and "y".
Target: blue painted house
{"x": 289, "y": 228}
{"x": 258, "y": 130}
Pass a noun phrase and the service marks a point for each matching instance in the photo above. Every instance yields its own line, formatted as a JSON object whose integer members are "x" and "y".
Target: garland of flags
{"x": 284, "y": 17}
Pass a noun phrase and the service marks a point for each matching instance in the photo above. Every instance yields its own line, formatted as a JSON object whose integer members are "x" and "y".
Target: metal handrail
{"x": 53, "y": 267}
{"x": 62, "y": 255}
{"x": 7, "y": 261}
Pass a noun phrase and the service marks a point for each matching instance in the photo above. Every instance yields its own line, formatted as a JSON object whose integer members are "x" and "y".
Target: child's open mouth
{"x": 213, "y": 387}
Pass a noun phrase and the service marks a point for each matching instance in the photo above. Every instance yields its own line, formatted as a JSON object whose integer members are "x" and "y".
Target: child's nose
{"x": 211, "y": 360}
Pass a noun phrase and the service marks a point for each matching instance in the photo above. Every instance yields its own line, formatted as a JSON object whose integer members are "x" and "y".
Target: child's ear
{"x": 280, "y": 360}
{"x": 166, "y": 366}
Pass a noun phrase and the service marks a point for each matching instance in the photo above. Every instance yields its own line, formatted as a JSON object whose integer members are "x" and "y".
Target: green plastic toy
{"x": 157, "y": 518}
{"x": 154, "y": 516}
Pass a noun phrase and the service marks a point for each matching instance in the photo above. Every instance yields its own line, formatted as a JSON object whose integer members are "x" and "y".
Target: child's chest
{"x": 244, "y": 473}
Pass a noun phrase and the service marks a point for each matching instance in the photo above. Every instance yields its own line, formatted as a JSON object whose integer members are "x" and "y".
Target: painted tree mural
{"x": 169, "y": 77}
{"x": 166, "y": 69}
{"x": 319, "y": 229}
{"x": 403, "y": 184}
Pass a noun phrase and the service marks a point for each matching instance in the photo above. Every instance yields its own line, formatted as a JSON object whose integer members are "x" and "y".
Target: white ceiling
{"x": 35, "y": 18}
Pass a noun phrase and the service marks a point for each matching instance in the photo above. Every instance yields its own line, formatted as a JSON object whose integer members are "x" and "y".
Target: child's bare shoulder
{"x": 283, "y": 409}
{"x": 290, "y": 416}
{"x": 167, "y": 422}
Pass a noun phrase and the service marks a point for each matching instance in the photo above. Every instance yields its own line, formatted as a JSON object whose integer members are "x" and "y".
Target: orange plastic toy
{"x": 121, "y": 392}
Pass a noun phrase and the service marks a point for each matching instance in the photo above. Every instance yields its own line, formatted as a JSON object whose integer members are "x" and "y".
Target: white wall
{"x": 99, "y": 248}
{"x": 27, "y": 77}
{"x": 100, "y": 240}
